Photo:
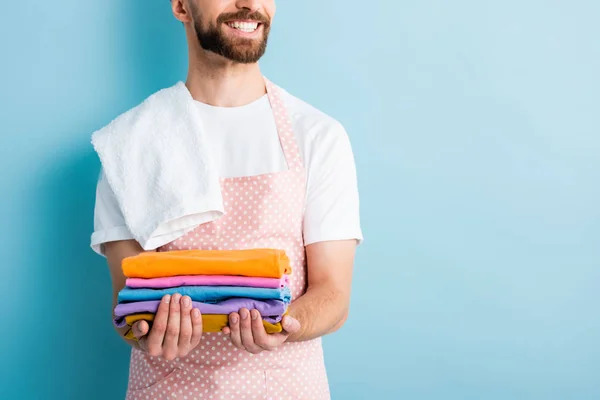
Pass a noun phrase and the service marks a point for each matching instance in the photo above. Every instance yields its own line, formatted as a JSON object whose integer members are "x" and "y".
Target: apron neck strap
{"x": 287, "y": 138}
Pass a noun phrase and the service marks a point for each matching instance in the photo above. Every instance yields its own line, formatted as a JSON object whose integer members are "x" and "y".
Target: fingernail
{"x": 176, "y": 298}
{"x": 186, "y": 301}
{"x": 234, "y": 319}
{"x": 195, "y": 313}
{"x": 254, "y": 314}
{"x": 167, "y": 298}
{"x": 244, "y": 314}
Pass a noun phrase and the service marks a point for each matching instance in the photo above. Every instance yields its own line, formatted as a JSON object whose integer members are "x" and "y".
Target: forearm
{"x": 115, "y": 253}
{"x": 320, "y": 311}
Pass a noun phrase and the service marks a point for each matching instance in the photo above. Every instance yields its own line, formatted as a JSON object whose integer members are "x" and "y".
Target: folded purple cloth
{"x": 270, "y": 310}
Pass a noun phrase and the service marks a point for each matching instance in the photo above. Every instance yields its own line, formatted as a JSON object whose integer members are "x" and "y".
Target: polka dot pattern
{"x": 263, "y": 211}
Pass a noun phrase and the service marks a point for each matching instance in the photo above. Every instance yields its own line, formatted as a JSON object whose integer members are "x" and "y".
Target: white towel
{"x": 157, "y": 162}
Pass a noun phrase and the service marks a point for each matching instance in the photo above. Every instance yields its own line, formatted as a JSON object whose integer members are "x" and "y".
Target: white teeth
{"x": 248, "y": 27}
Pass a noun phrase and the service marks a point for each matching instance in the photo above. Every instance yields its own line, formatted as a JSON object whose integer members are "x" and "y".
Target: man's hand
{"x": 176, "y": 330}
{"x": 246, "y": 331}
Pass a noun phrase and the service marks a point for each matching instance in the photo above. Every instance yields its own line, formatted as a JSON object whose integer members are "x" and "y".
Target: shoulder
{"x": 310, "y": 123}
{"x": 166, "y": 102}
{"x": 324, "y": 141}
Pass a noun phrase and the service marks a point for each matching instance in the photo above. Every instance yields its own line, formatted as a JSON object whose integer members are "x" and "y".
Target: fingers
{"x": 177, "y": 328}
{"x": 154, "y": 341}
{"x": 246, "y": 332}
{"x": 185, "y": 327}
{"x": 261, "y": 337}
{"x": 171, "y": 341}
{"x": 196, "y": 328}
{"x": 234, "y": 327}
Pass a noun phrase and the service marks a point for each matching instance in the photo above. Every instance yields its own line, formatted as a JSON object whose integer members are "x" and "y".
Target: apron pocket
{"x": 163, "y": 381}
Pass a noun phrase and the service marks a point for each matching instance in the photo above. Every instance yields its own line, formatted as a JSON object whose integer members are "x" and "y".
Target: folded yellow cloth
{"x": 210, "y": 323}
{"x": 264, "y": 263}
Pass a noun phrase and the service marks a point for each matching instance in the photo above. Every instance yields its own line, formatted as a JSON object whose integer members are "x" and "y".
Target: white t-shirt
{"x": 244, "y": 142}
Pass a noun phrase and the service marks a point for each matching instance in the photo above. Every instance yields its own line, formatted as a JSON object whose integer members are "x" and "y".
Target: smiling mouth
{"x": 247, "y": 27}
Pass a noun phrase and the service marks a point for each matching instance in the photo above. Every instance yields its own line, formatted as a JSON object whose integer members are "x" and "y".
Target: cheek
{"x": 270, "y": 8}
{"x": 208, "y": 10}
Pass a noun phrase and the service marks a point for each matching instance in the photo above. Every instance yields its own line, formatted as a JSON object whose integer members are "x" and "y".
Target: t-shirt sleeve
{"x": 109, "y": 223}
{"x": 332, "y": 198}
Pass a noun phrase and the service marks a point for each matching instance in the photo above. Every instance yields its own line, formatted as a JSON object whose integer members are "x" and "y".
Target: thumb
{"x": 140, "y": 329}
{"x": 290, "y": 324}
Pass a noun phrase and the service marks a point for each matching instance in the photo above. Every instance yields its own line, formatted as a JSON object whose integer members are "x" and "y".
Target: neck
{"x": 222, "y": 83}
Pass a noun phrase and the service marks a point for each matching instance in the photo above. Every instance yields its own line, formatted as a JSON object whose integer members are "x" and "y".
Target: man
{"x": 306, "y": 202}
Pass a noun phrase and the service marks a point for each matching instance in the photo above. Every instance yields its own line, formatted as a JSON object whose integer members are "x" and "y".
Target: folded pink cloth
{"x": 208, "y": 280}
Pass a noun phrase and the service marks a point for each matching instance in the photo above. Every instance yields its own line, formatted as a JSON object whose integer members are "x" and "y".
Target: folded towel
{"x": 265, "y": 263}
{"x": 205, "y": 293}
{"x": 160, "y": 138}
{"x": 271, "y": 310}
{"x": 210, "y": 323}
{"x": 208, "y": 280}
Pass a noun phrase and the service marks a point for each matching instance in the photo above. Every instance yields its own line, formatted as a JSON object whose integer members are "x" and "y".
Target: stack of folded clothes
{"x": 219, "y": 282}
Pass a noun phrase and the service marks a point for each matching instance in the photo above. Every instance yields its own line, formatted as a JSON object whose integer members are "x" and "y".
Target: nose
{"x": 250, "y": 5}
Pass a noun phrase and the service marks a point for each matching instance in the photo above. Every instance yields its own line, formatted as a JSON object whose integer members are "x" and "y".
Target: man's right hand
{"x": 176, "y": 330}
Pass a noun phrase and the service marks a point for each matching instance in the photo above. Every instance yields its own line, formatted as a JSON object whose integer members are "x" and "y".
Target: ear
{"x": 181, "y": 10}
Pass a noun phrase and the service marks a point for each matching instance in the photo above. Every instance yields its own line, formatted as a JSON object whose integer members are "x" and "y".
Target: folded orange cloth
{"x": 265, "y": 263}
{"x": 210, "y": 323}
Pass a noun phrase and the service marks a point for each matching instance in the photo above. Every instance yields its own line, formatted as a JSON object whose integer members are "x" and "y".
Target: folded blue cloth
{"x": 205, "y": 293}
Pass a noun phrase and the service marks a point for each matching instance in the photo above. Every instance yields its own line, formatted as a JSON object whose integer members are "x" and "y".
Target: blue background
{"x": 476, "y": 129}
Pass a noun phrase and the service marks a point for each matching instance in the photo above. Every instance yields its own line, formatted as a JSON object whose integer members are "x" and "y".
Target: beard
{"x": 240, "y": 50}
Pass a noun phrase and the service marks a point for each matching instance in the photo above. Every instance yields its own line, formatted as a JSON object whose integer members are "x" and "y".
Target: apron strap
{"x": 287, "y": 138}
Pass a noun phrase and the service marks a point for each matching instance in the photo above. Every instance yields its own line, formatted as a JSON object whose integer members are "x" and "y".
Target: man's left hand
{"x": 246, "y": 331}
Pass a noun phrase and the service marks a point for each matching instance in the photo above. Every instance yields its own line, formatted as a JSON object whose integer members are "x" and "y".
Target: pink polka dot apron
{"x": 264, "y": 211}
